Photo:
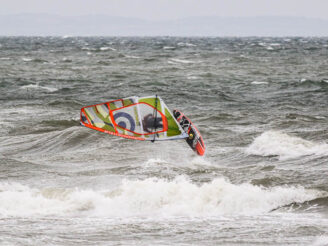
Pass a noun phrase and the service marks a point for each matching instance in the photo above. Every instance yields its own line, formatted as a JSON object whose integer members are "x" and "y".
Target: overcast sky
{"x": 169, "y": 9}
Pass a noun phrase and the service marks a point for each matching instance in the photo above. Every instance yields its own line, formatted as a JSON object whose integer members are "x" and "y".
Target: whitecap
{"x": 186, "y": 44}
{"x": 259, "y": 83}
{"x": 65, "y": 59}
{"x": 169, "y": 48}
{"x": 38, "y": 87}
{"x": 175, "y": 60}
{"x": 26, "y": 59}
{"x": 132, "y": 57}
{"x": 276, "y": 143}
{"x": 107, "y": 48}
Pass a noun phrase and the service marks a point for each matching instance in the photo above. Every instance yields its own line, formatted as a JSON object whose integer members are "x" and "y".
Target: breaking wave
{"x": 152, "y": 196}
{"x": 275, "y": 143}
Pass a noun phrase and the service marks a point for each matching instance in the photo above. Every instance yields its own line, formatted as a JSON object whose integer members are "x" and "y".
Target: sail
{"x": 140, "y": 118}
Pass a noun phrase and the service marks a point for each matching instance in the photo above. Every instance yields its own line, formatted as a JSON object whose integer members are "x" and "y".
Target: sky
{"x": 169, "y": 9}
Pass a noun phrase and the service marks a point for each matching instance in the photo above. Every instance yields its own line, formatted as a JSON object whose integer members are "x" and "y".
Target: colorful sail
{"x": 140, "y": 118}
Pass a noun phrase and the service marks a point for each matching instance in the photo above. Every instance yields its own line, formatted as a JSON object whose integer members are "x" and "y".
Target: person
{"x": 176, "y": 114}
{"x": 151, "y": 124}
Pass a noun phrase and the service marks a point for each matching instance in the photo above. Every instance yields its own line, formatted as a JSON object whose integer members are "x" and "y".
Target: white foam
{"x": 107, "y": 48}
{"x": 259, "y": 83}
{"x": 155, "y": 161}
{"x": 132, "y": 57}
{"x": 175, "y": 60}
{"x": 26, "y": 59}
{"x": 186, "y": 44}
{"x": 89, "y": 48}
{"x": 321, "y": 241}
{"x": 285, "y": 146}
{"x": 192, "y": 77}
{"x": 169, "y": 48}
{"x": 66, "y": 59}
{"x": 38, "y": 87}
{"x": 150, "y": 197}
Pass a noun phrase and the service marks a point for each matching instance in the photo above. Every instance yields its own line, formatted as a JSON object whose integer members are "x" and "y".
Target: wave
{"x": 309, "y": 82}
{"x": 132, "y": 57}
{"x": 259, "y": 83}
{"x": 106, "y": 48}
{"x": 275, "y": 143}
{"x": 61, "y": 123}
{"x": 150, "y": 197}
{"x": 182, "y": 44}
{"x": 318, "y": 204}
{"x": 192, "y": 77}
{"x": 169, "y": 48}
{"x": 43, "y": 142}
{"x": 25, "y": 59}
{"x": 38, "y": 87}
{"x": 65, "y": 59}
{"x": 183, "y": 61}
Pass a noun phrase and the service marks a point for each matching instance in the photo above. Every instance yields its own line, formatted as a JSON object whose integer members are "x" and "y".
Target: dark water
{"x": 260, "y": 104}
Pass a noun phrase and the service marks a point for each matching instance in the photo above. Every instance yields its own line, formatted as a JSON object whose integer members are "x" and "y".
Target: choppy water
{"x": 260, "y": 103}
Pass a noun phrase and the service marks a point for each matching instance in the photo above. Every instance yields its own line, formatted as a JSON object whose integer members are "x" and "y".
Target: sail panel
{"x": 145, "y": 118}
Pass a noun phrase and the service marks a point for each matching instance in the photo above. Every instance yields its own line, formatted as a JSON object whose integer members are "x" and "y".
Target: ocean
{"x": 259, "y": 103}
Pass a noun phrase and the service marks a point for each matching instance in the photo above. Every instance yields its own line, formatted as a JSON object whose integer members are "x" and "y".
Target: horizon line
{"x": 171, "y": 19}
